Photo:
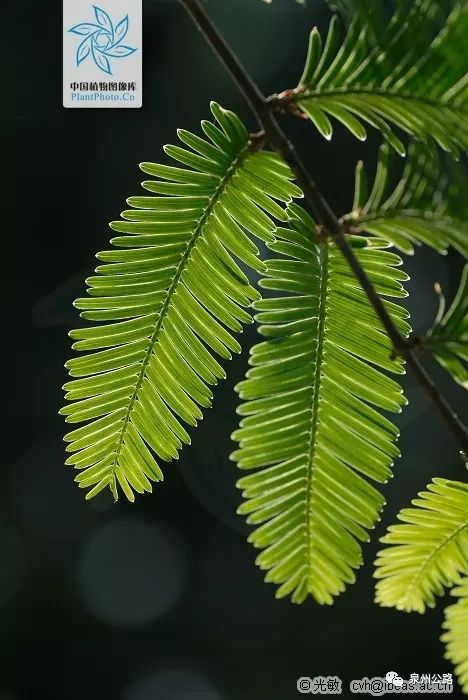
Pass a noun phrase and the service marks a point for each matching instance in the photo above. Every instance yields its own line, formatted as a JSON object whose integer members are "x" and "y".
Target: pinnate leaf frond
{"x": 167, "y": 300}
{"x": 312, "y": 433}
{"x": 456, "y": 633}
{"x": 426, "y": 205}
{"x": 401, "y": 73}
{"x": 428, "y": 551}
{"x": 448, "y": 339}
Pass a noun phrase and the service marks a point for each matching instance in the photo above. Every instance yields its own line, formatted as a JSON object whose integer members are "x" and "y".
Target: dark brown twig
{"x": 263, "y": 109}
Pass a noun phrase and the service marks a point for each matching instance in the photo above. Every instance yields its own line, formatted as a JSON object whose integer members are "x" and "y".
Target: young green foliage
{"x": 392, "y": 74}
{"x": 448, "y": 338}
{"x": 427, "y": 205}
{"x": 171, "y": 295}
{"x": 312, "y": 433}
{"x": 456, "y": 633}
{"x": 426, "y": 553}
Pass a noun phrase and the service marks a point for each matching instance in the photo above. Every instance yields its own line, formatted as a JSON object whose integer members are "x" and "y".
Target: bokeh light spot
{"x": 172, "y": 684}
{"x": 131, "y": 573}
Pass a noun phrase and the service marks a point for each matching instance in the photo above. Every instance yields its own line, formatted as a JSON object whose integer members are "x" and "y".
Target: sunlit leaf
{"x": 426, "y": 205}
{"x": 428, "y": 551}
{"x": 407, "y": 72}
{"x": 172, "y": 294}
{"x": 312, "y": 434}
{"x": 456, "y": 633}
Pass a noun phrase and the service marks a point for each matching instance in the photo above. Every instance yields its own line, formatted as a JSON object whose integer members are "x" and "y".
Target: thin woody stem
{"x": 263, "y": 108}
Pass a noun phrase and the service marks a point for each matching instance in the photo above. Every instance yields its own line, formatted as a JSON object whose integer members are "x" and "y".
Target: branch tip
{"x": 327, "y": 221}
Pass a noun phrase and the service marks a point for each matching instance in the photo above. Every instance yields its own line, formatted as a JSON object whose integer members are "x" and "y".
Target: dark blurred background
{"x": 160, "y": 600}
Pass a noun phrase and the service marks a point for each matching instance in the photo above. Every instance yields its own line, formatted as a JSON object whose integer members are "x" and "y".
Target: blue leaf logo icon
{"x": 84, "y": 29}
{"x": 102, "y": 61}
{"x": 120, "y": 51}
{"x": 103, "y": 19}
{"x": 102, "y": 40}
{"x": 121, "y": 30}
{"x": 84, "y": 49}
